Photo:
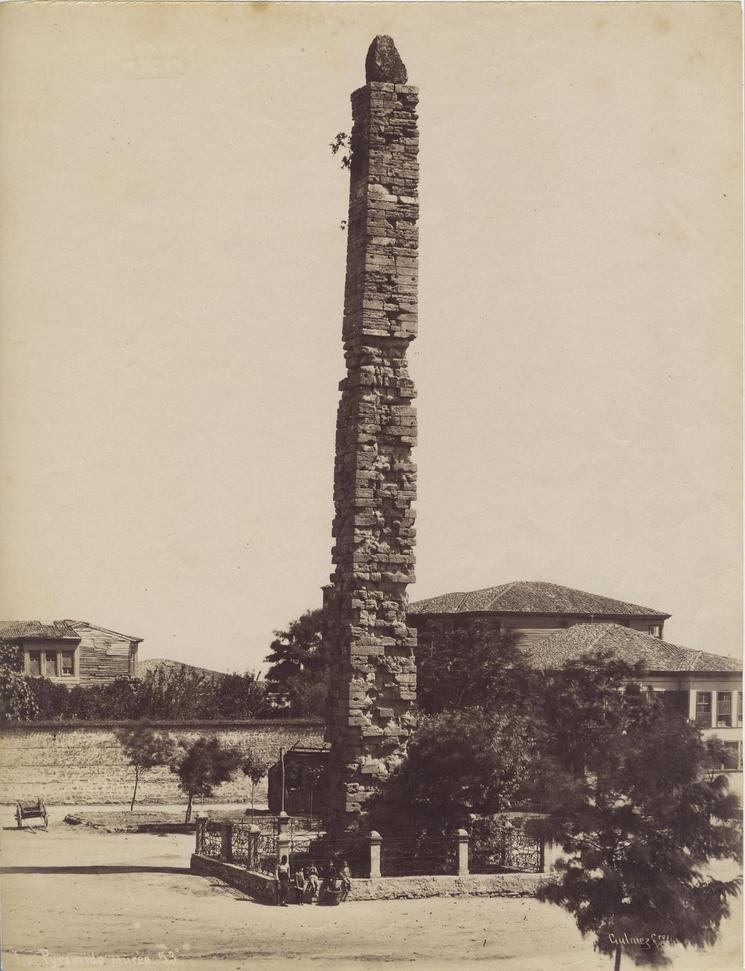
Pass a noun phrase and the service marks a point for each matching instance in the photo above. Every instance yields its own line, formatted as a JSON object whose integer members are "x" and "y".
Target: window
{"x": 34, "y": 664}
{"x": 655, "y": 630}
{"x": 50, "y": 664}
{"x": 724, "y": 709}
{"x": 703, "y": 709}
{"x": 67, "y": 664}
{"x": 732, "y": 758}
{"x": 674, "y": 701}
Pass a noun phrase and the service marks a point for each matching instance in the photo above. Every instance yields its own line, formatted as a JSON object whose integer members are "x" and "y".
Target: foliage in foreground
{"x": 636, "y": 814}
{"x": 457, "y": 763}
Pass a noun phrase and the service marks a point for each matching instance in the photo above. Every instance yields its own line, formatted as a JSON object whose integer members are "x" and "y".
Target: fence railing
{"x": 353, "y": 852}
{"x": 509, "y": 851}
{"x": 506, "y": 851}
{"x": 241, "y": 843}
{"x": 403, "y": 856}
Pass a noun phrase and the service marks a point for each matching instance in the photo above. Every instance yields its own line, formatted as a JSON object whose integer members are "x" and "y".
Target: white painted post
{"x": 462, "y": 837}
{"x": 551, "y": 853}
{"x": 283, "y": 837}
{"x": 375, "y": 840}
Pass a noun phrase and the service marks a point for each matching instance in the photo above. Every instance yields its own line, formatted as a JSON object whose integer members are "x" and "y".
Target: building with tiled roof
{"x": 553, "y": 649}
{"x": 531, "y": 608}
{"x": 552, "y": 624}
{"x": 72, "y": 652}
{"x": 537, "y": 598}
{"x": 37, "y": 630}
{"x": 706, "y": 687}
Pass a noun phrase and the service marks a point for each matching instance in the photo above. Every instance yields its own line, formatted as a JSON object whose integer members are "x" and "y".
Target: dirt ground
{"x": 80, "y": 898}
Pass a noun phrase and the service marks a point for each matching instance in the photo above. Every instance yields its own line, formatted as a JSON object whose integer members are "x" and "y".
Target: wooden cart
{"x": 31, "y": 810}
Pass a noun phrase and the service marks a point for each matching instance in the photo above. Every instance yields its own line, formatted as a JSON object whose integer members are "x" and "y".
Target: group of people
{"x": 307, "y": 887}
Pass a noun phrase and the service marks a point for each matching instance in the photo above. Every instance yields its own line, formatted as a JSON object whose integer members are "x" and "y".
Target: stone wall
{"x": 83, "y": 763}
{"x": 373, "y": 674}
{"x": 262, "y": 887}
{"x": 257, "y": 885}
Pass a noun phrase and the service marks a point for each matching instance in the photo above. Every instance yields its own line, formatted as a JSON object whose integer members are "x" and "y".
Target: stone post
{"x": 253, "y": 856}
{"x": 199, "y": 834}
{"x": 373, "y": 671}
{"x": 375, "y": 841}
{"x": 550, "y": 853}
{"x": 226, "y": 842}
{"x": 462, "y": 837}
{"x": 283, "y": 837}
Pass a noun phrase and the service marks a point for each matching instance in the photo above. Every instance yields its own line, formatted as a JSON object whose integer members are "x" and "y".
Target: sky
{"x": 172, "y": 292}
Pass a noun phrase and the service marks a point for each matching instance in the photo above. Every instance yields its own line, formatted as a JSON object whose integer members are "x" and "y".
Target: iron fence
{"x": 209, "y": 838}
{"x": 243, "y": 845}
{"x": 418, "y": 856}
{"x": 496, "y": 848}
{"x": 265, "y": 860}
{"x": 307, "y": 850}
{"x": 509, "y": 851}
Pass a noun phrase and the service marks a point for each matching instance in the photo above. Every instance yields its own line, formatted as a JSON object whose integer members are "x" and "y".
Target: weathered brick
{"x": 375, "y": 481}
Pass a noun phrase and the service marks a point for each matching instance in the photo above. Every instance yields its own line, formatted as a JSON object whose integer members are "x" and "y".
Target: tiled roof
{"x": 531, "y": 597}
{"x": 624, "y": 643}
{"x": 34, "y": 629}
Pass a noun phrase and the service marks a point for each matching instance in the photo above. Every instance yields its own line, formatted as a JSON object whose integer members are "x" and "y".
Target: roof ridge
{"x": 603, "y": 630}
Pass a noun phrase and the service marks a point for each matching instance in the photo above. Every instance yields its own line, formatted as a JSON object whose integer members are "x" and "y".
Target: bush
{"x": 17, "y": 702}
{"x": 160, "y": 695}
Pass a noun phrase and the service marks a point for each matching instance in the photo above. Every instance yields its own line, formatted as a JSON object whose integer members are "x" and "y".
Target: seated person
{"x": 311, "y": 883}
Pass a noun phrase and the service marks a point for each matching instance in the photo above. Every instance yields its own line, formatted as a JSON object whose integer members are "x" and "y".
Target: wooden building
{"x": 72, "y": 652}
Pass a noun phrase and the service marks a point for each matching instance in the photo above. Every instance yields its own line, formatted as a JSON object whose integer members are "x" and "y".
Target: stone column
{"x": 375, "y": 844}
{"x": 373, "y": 676}
{"x": 462, "y": 837}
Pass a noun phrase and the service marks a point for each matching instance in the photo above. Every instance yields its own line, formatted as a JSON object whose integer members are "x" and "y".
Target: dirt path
{"x": 78, "y": 898}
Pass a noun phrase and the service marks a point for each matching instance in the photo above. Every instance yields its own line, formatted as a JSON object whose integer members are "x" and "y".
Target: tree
{"x": 299, "y": 664}
{"x": 255, "y": 766}
{"x": 202, "y": 766}
{"x": 635, "y": 814}
{"x": 11, "y": 657}
{"x": 17, "y": 701}
{"x": 457, "y": 763}
{"x": 144, "y": 748}
{"x": 238, "y": 696}
{"x": 472, "y": 664}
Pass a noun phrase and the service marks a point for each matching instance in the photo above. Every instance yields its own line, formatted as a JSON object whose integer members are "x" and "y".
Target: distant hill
{"x": 165, "y": 664}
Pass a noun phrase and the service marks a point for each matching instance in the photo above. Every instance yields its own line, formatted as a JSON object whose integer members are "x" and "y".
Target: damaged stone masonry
{"x": 373, "y": 679}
